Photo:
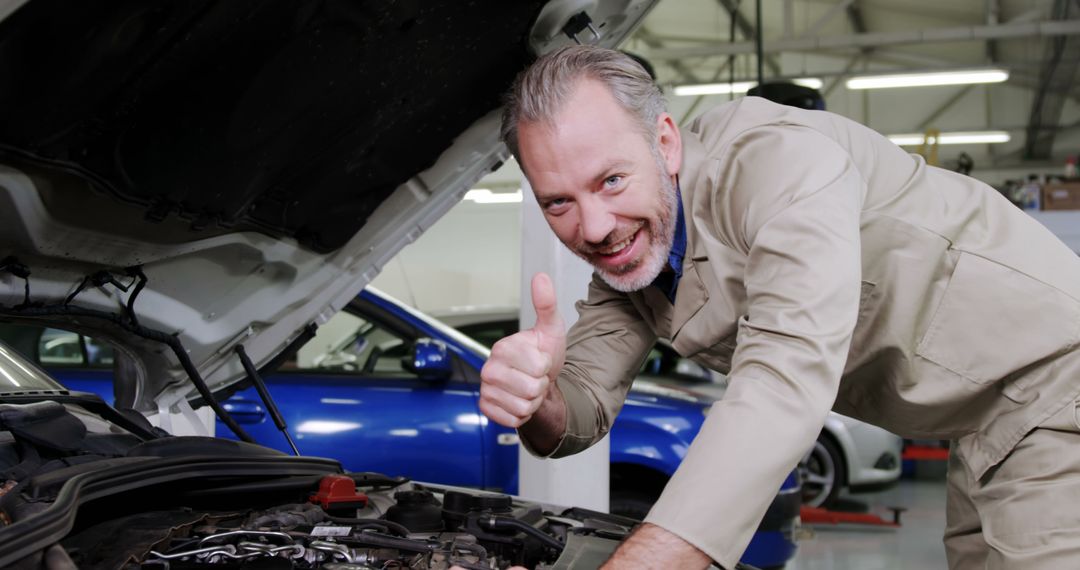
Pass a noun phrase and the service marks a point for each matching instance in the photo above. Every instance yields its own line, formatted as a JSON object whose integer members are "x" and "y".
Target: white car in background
{"x": 848, "y": 454}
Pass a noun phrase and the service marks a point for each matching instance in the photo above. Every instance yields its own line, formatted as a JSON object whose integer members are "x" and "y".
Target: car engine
{"x": 79, "y": 492}
{"x": 404, "y": 526}
{"x": 407, "y": 527}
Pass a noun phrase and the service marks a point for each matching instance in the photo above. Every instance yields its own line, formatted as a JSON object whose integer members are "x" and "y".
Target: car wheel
{"x": 821, "y": 474}
{"x": 633, "y": 504}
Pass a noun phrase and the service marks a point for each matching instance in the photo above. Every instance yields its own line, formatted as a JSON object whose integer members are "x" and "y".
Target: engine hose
{"x": 494, "y": 522}
{"x": 384, "y": 541}
{"x": 371, "y": 523}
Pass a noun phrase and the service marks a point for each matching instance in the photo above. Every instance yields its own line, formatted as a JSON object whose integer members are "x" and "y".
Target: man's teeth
{"x": 618, "y": 247}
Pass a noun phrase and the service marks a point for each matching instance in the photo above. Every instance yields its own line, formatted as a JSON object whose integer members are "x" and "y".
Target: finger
{"x": 514, "y": 404}
{"x": 548, "y": 320}
{"x": 502, "y": 408}
{"x": 520, "y": 353}
{"x": 515, "y": 382}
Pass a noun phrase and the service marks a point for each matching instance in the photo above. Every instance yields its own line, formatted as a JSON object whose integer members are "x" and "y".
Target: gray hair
{"x": 539, "y": 92}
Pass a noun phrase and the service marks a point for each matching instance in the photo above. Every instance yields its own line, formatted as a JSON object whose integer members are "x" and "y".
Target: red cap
{"x": 338, "y": 492}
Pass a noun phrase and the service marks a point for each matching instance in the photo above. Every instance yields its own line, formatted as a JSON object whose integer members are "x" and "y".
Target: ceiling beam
{"x": 1057, "y": 75}
{"x": 680, "y": 69}
{"x": 993, "y": 18}
{"x": 827, "y": 17}
{"x": 789, "y": 18}
{"x": 855, "y": 18}
{"x": 835, "y": 82}
{"x": 943, "y": 108}
{"x": 1049, "y": 28}
{"x": 748, "y": 30}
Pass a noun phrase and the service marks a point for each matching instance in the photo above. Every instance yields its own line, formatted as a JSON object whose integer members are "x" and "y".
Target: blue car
{"x": 382, "y": 387}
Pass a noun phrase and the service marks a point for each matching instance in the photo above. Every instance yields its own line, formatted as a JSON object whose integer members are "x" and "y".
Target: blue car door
{"x": 349, "y": 395}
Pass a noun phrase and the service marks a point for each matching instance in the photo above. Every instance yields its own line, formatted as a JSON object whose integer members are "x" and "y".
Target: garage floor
{"x": 916, "y": 544}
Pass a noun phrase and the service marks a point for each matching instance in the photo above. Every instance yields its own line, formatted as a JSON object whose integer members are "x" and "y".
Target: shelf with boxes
{"x": 1061, "y": 195}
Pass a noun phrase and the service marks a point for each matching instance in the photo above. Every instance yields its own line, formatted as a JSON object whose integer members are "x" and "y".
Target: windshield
{"x": 454, "y": 334}
{"x": 19, "y": 375}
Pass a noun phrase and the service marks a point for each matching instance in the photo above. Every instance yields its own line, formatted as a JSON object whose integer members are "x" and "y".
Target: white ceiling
{"x": 689, "y": 40}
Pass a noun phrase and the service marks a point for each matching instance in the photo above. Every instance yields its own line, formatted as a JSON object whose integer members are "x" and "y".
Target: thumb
{"x": 548, "y": 320}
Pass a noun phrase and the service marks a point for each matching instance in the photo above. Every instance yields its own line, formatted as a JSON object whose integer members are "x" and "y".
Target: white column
{"x": 580, "y": 480}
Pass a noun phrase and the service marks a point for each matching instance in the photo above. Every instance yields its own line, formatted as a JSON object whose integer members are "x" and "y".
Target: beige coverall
{"x": 827, "y": 268}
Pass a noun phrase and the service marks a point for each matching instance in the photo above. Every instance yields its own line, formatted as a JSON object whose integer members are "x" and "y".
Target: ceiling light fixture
{"x": 737, "y": 87}
{"x": 965, "y": 77}
{"x": 485, "y": 196}
{"x": 959, "y": 137}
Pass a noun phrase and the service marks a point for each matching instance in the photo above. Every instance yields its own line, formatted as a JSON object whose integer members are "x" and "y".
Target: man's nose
{"x": 596, "y": 222}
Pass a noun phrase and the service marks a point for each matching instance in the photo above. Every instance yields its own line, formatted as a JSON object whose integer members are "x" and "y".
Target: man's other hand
{"x": 520, "y": 374}
{"x": 652, "y": 547}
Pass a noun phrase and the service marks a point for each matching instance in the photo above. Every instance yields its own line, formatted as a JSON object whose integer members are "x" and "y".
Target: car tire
{"x": 822, "y": 474}
{"x": 632, "y": 504}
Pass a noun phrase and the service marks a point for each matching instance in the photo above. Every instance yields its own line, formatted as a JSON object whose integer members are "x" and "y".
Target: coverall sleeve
{"x": 605, "y": 348}
{"x": 789, "y": 198}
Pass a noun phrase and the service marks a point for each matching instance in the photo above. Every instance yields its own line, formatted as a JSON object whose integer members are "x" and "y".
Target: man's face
{"x": 606, "y": 190}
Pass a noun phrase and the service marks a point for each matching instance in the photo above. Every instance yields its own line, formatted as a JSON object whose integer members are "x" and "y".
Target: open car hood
{"x": 242, "y": 169}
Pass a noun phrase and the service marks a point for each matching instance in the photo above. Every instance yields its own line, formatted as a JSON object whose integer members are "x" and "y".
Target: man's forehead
{"x": 590, "y": 131}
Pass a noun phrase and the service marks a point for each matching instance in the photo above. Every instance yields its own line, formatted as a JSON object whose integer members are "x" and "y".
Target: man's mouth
{"x": 612, "y": 250}
{"x": 617, "y": 255}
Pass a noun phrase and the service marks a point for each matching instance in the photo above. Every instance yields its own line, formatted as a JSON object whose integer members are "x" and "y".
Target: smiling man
{"x": 819, "y": 266}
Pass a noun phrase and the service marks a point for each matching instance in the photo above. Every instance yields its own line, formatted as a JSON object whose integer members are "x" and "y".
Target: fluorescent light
{"x": 924, "y": 79}
{"x": 713, "y": 88}
{"x": 737, "y": 87}
{"x": 959, "y": 137}
{"x": 811, "y": 82}
{"x": 485, "y": 196}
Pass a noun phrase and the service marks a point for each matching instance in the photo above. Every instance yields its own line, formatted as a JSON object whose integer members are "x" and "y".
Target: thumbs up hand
{"x": 521, "y": 372}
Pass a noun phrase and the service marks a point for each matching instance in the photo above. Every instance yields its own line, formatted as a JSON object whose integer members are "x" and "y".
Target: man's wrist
{"x": 546, "y": 427}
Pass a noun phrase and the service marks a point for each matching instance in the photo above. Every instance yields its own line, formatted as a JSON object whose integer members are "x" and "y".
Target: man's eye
{"x": 612, "y": 181}
{"x": 555, "y": 203}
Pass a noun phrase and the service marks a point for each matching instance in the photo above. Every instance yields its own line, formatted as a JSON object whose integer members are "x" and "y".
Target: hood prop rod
{"x": 264, "y": 395}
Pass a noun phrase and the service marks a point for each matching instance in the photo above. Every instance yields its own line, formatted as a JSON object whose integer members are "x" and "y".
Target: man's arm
{"x": 545, "y": 429}
{"x": 650, "y": 546}
{"x": 798, "y": 226}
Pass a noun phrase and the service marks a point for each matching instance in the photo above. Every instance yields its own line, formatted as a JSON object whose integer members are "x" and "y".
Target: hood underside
{"x": 294, "y": 119}
{"x": 257, "y": 162}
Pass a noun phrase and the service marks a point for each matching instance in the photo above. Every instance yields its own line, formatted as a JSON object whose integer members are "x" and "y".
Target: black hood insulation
{"x": 292, "y": 118}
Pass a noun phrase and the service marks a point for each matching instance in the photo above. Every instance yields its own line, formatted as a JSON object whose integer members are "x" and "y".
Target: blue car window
{"x": 60, "y": 348}
{"x": 98, "y": 354}
{"x": 350, "y": 343}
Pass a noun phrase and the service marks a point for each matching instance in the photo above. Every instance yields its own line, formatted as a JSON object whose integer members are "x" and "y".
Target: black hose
{"x": 385, "y": 541}
{"x": 506, "y": 523}
{"x": 368, "y": 523}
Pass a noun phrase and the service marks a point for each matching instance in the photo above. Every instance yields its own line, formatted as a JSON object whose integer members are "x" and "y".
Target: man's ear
{"x": 670, "y": 142}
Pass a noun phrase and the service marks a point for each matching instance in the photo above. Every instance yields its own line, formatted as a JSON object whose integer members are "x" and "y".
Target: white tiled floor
{"x": 916, "y": 544}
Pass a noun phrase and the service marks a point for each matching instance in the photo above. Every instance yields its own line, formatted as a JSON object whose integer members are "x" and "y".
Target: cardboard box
{"x": 1061, "y": 196}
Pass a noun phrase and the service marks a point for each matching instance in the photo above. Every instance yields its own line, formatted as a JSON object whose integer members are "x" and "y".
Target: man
{"x": 821, "y": 267}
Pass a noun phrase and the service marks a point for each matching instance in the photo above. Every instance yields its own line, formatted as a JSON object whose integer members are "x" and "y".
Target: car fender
{"x": 841, "y": 435}
{"x": 640, "y": 443}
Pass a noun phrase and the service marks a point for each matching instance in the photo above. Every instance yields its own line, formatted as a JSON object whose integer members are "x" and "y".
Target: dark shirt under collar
{"x": 668, "y": 280}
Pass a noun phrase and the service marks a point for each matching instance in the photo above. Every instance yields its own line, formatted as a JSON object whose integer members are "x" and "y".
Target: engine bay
{"x": 384, "y": 523}
{"x": 79, "y": 490}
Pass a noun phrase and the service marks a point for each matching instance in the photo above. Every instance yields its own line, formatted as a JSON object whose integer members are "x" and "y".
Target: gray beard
{"x": 660, "y": 241}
